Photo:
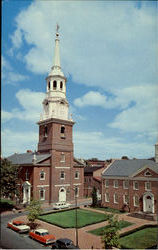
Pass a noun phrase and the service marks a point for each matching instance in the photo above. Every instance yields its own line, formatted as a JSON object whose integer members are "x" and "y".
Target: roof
{"x": 78, "y": 163}
{"x": 40, "y": 230}
{"x": 27, "y": 158}
{"x": 92, "y": 169}
{"x": 129, "y": 167}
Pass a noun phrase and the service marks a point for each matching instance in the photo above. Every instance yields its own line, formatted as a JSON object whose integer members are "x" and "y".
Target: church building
{"x": 52, "y": 173}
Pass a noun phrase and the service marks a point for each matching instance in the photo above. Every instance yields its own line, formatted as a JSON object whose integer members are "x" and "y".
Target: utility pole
{"x": 76, "y": 216}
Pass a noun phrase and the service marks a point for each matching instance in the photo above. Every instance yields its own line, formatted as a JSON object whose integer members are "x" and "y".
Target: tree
{"x": 34, "y": 209}
{"x": 110, "y": 236}
{"x": 94, "y": 197}
{"x": 9, "y": 179}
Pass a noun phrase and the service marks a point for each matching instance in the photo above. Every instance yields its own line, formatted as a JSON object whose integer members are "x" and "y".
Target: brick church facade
{"x": 131, "y": 185}
{"x": 52, "y": 173}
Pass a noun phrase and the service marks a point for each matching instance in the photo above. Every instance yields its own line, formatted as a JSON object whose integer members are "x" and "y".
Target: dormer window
{"x": 45, "y": 131}
{"x": 62, "y": 131}
{"x": 54, "y": 85}
{"x": 61, "y": 85}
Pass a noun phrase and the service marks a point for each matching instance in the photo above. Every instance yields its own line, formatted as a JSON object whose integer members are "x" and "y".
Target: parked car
{"x": 18, "y": 226}
{"x": 64, "y": 244}
{"x": 61, "y": 205}
{"x": 42, "y": 235}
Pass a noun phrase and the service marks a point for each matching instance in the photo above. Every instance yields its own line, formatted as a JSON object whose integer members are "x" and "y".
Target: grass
{"x": 66, "y": 219}
{"x": 99, "y": 231}
{"x": 144, "y": 238}
{"x": 108, "y": 209}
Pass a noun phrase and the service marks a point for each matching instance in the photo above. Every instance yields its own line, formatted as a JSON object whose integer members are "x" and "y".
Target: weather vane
{"x": 57, "y": 28}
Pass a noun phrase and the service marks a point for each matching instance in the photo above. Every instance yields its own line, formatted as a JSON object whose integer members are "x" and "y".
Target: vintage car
{"x": 64, "y": 243}
{"x": 42, "y": 235}
{"x": 18, "y": 226}
{"x": 61, "y": 205}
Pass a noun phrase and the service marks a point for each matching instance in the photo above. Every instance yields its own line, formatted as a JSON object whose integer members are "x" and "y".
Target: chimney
{"x": 29, "y": 151}
{"x": 156, "y": 152}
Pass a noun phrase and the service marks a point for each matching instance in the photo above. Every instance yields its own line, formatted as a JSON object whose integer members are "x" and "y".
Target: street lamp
{"x": 76, "y": 226}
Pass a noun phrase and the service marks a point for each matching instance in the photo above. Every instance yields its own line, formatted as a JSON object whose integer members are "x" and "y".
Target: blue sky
{"x": 108, "y": 54}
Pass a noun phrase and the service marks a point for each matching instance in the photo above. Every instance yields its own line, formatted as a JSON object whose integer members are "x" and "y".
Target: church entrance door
{"x": 148, "y": 203}
{"x": 62, "y": 194}
{"x": 26, "y": 192}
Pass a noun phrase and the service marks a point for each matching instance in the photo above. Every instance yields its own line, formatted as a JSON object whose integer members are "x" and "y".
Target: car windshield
{"x": 45, "y": 233}
{"x": 18, "y": 223}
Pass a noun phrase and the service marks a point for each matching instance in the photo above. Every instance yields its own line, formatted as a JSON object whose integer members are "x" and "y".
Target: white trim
{"x": 146, "y": 188}
{"x": 144, "y": 201}
{"x": 106, "y": 186}
{"x": 124, "y": 186}
{"x": 116, "y": 186}
{"x": 129, "y": 178}
{"x": 62, "y": 185}
{"x": 114, "y": 196}
{"x": 63, "y": 167}
{"x": 134, "y": 188}
{"x": 43, "y": 199}
{"x": 76, "y": 178}
{"x": 147, "y": 172}
{"x": 107, "y": 196}
{"x": 124, "y": 201}
{"x": 77, "y": 184}
{"x": 42, "y": 185}
{"x": 134, "y": 200}
{"x": 42, "y": 171}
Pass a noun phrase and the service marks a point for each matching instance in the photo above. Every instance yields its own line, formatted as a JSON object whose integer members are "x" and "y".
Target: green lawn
{"x": 108, "y": 209}
{"x": 99, "y": 231}
{"x": 66, "y": 219}
{"x": 145, "y": 238}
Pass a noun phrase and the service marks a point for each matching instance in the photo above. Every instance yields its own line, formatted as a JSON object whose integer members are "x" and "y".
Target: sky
{"x": 108, "y": 52}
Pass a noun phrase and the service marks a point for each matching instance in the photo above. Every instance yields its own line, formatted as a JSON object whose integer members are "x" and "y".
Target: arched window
{"x": 45, "y": 131}
{"x": 61, "y": 85}
{"x": 48, "y": 85}
{"x": 54, "y": 84}
{"x": 42, "y": 175}
{"x": 62, "y": 130}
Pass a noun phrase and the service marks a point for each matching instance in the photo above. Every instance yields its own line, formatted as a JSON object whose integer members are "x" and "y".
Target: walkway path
{"x": 87, "y": 240}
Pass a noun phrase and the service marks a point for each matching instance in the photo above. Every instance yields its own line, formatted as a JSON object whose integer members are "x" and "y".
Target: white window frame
{"x": 62, "y": 178}
{"x": 42, "y": 189}
{"x": 106, "y": 183}
{"x": 134, "y": 200}
{"x": 124, "y": 199}
{"x": 146, "y": 186}
{"x": 116, "y": 200}
{"x": 124, "y": 184}
{"x": 78, "y": 174}
{"x": 77, "y": 191}
{"x": 44, "y": 175}
{"x": 27, "y": 175}
{"x": 62, "y": 157}
{"x": 115, "y": 181}
{"x": 134, "y": 185}
{"x": 107, "y": 197}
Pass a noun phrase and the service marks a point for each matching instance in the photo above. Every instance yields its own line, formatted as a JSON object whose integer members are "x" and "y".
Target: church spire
{"x": 57, "y": 52}
{"x": 56, "y": 68}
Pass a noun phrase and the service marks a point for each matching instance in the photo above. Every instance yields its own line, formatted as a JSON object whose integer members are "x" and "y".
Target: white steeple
{"x": 55, "y": 104}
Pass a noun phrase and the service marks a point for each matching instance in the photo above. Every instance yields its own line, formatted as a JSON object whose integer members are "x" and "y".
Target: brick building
{"x": 52, "y": 173}
{"x": 131, "y": 185}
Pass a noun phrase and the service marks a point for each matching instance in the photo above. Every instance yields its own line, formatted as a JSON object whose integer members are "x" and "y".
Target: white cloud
{"x": 92, "y": 98}
{"x": 103, "y": 44}
{"x": 30, "y": 106}
{"x": 9, "y": 75}
{"x": 96, "y": 144}
{"x": 137, "y": 106}
{"x": 18, "y": 142}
